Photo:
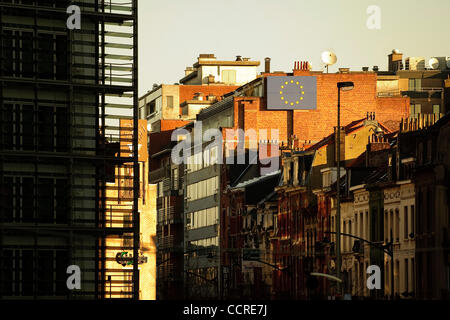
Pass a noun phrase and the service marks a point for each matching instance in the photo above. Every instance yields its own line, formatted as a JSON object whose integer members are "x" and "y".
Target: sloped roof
{"x": 256, "y": 180}
{"x": 349, "y": 128}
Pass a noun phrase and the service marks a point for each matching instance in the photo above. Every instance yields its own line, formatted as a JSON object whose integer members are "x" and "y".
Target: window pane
{"x": 45, "y": 200}
{"x": 169, "y": 101}
{"x": 7, "y": 126}
{"x": 6, "y": 200}
{"x": 45, "y": 272}
{"x": 45, "y": 56}
{"x": 27, "y": 273}
{"x": 27, "y": 128}
{"x": 46, "y": 128}
{"x": 27, "y": 55}
{"x": 436, "y": 108}
{"x": 61, "y": 201}
{"x": 27, "y": 200}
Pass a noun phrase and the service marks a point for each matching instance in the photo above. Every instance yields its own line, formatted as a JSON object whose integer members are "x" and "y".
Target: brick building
{"x": 203, "y": 84}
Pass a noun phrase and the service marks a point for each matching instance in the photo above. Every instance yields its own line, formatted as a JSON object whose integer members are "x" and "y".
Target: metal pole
{"x": 338, "y": 194}
{"x": 392, "y": 266}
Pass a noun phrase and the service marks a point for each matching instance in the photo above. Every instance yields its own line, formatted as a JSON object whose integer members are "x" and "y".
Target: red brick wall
{"x": 187, "y": 92}
{"x": 316, "y": 124}
{"x": 168, "y": 125}
{"x": 159, "y": 140}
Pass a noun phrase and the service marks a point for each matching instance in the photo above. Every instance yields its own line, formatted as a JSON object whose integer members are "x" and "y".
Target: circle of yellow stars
{"x": 289, "y": 83}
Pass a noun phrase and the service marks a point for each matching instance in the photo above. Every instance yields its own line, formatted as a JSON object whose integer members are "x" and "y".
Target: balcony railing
{"x": 158, "y": 174}
{"x": 166, "y": 242}
{"x": 388, "y": 93}
{"x": 413, "y": 93}
{"x": 169, "y": 215}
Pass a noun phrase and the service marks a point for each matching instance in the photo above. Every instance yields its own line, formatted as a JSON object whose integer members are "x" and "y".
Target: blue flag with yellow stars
{"x": 292, "y": 93}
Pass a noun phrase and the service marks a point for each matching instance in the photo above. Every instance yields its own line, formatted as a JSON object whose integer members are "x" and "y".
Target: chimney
{"x": 375, "y": 68}
{"x": 207, "y": 56}
{"x": 267, "y": 65}
{"x": 188, "y": 71}
{"x": 238, "y": 58}
{"x": 365, "y": 69}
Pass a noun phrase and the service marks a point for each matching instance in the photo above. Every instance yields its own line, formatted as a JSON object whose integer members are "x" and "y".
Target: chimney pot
{"x": 267, "y": 65}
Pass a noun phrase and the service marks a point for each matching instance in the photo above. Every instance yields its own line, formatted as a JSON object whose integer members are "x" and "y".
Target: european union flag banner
{"x": 292, "y": 93}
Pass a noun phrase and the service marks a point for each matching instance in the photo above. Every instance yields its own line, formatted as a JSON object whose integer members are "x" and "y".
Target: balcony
{"x": 424, "y": 93}
{"x": 166, "y": 242}
{"x": 169, "y": 216}
{"x": 158, "y": 174}
{"x": 388, "y": 93}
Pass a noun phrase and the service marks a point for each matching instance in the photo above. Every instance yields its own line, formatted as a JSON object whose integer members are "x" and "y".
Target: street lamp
{"x": 344, "y": 86}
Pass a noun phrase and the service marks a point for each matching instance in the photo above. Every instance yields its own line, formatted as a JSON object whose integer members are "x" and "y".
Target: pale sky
{"x": 172, "y": 33}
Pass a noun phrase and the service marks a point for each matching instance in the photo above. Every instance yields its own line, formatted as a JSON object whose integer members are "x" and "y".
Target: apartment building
{"x": 204, "y": 84}
{"x": 425, "y": 84}
{"x": 250, "y": 224}
{"x": 431, "y": 231}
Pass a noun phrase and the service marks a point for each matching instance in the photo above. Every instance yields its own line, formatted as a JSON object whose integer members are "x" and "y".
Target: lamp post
{"x": 344, "y": 86}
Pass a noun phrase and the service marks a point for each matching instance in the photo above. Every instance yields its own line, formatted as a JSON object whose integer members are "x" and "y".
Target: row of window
{"x": 414, "y": 84}
{"x": 416, "y": 109}
{"x": 360, "y": 229}
{"x": 202, "y": 160}
{"x": 208, "y": 242}
{"x": 392, "y": 221}
{"x": 203, "y": 189}
{"x": 34, "y": 272}
{"x": 19, "y": 55}
{"x": 407, "y": 270}
{"x": 26, "y": 127}
{"x": 203, "y": 218}
{"x": 22, "y": 200}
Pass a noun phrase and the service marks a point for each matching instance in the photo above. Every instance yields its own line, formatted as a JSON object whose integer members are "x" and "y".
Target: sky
{"x": 172, "y": 33}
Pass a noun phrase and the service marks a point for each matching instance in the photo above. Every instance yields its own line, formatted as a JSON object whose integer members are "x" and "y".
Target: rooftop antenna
{"x": 329, "y": 58}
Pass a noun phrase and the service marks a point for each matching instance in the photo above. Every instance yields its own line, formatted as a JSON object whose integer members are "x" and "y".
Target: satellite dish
{"x": 396, "y": 51}
{"x": 434, "y": 63}
{"x": 329, "y": 58}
